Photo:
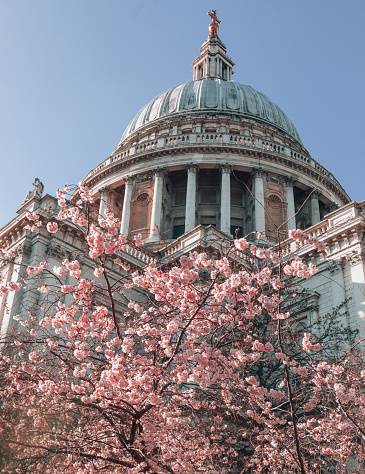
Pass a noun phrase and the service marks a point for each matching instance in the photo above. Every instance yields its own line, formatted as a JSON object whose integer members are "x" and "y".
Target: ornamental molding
{"x": 192, "y": 168}
{"x": 226, "y": 168}
{"x": 140, "y": 178}
{"x": 333, "y": 266}
{"x": 158, "y": 172}
{"x": 58, "y": 252}
{"x": 289, "y": 181}
{"x": 104, "y": 190}
{"x": 356, "y": 259}
{"x": 259, "y": 173}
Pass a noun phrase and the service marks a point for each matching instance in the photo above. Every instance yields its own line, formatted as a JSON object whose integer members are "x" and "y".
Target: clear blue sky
{"x": 75, "y": 72}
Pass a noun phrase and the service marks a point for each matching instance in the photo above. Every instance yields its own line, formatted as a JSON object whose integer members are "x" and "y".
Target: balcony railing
{"x": 209, "y": 138}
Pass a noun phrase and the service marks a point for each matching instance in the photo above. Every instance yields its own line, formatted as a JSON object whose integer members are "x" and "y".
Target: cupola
{"x": 213, "y": 62}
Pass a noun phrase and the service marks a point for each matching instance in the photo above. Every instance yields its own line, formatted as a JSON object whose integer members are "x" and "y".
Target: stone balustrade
{"x": 188, "y": 139}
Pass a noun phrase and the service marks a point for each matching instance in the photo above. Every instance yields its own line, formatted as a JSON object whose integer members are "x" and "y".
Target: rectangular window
{"x": 208, "y": 196}
{"x": 178, "y": 230}
{"x": 236, "y": 197}
{"x": 180, "y": 197}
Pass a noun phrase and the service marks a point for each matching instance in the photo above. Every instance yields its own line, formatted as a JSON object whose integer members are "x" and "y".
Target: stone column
{"x": 126, "y": 212}
{"x": 316, "y": 217}
{"x": 190, "y": 206}
{"x": 155, "y": 224}
{"x": 290, "y": 213}
{"x": 259, "y": 201}
{"x": 226, "y": 199}
{"x": 103, "y": 206}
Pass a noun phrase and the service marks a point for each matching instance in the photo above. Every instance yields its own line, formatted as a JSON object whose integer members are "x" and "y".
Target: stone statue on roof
{"x": 37, "y": 191}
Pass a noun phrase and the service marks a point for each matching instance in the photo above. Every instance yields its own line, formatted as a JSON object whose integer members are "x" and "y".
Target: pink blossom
{"x": 85, "y": 193}
{"x": 137, "y": 240}
{"x": 307, "y": 345}
{"x": 52, "y": 227}
{"x": 61, "y": 271}
{"x": 122, "y": 264}
{"x": 298, "y": 235}
{"x": 241, "y": 244}
{"x": 98, "y": 271}
{"x": 61, "y": 198}
{"x": 35, "y": 270}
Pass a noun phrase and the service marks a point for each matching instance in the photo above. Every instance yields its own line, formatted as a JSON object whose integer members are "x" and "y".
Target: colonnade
{"x": 225, "y": 202}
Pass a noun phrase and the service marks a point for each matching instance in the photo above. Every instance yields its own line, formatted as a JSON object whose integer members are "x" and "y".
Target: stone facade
{"x": 203, "y": 162}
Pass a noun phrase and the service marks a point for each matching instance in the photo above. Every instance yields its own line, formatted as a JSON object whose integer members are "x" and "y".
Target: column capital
{"x": 129, "y": 179}
{"x": 333, "y": 207}
{"x": 289, "y": 181}
{"x": 159, "y": 172}
{"x": 315, "y": 195}
{"x": 225, "y": 168}
{"x": 192, "y": 168}
{"x": 258, "y": 172}
{"x": 104, "y": 189}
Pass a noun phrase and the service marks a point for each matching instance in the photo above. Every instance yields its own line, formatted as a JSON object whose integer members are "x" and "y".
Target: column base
{"x": 152, "y": 239}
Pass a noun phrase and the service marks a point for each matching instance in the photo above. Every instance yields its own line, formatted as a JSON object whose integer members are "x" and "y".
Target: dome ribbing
{"x": 208, "y": 95}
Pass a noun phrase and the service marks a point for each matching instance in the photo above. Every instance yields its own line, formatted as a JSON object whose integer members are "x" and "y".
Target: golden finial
{"x": 214, "y": 26}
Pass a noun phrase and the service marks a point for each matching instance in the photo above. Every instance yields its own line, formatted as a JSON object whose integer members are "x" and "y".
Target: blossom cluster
{"x": 302, "y": 237}
{"x": 190, "y": 366}
{"x": 34, "y": 221}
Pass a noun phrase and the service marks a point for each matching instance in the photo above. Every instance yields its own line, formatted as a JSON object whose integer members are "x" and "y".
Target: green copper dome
{"x": 208, "y": 95}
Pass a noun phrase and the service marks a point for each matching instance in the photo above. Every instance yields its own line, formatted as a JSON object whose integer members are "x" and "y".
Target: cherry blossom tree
{"x": 188, "y": 366}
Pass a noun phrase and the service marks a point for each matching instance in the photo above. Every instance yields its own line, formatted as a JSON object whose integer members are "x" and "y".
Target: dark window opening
{"x": 178, "y": 230}
{"x": 208, "y": 196}
{"x": 180, "y": 197}
{"x": 236, "y": 197}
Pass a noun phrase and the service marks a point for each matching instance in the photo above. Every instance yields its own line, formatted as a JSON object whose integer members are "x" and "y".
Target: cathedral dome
{"x": 212, "y": 152}
{"x": 218, "y": 96}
